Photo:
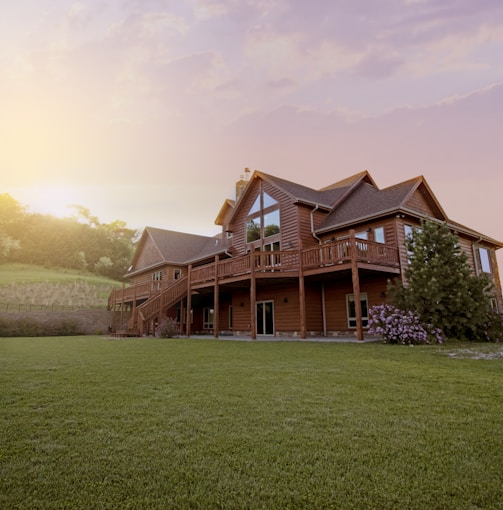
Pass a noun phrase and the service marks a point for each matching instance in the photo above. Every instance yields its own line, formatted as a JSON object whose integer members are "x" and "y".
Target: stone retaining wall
{"x": 91, "y": 322}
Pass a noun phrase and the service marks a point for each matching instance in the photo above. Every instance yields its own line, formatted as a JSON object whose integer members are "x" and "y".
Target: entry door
{"x": 265, "y": 318}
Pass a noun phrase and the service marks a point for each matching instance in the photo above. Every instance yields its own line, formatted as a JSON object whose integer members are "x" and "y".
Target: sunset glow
{"x": 149, "y": 111}
{"x": 56, "y": 200}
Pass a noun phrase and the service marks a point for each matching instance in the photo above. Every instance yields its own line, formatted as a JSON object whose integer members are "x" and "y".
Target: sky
{"x": 148, "y": 111}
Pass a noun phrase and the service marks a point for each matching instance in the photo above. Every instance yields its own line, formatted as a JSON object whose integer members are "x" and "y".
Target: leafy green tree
{"x": 79, "y": 242}
{"x": 442, "y": 289}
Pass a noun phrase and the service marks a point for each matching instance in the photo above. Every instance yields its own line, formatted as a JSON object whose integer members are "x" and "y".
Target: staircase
{"x": 157, "y": 305}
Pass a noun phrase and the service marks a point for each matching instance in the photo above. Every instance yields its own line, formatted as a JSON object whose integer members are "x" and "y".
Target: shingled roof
{"x": 367, "y": 201}
{"x": 326, "y": 197}
{"x": 179, "y": 247}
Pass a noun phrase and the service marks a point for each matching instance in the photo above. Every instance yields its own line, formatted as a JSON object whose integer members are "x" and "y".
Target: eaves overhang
{"x": 457, "y": 227}
{"x": 148, "y": 268}
{"x": 360, "y": 219}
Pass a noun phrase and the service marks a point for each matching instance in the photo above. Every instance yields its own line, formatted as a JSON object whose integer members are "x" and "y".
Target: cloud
{"x": 282, "y": 84}
{"x": 379, "y": 63}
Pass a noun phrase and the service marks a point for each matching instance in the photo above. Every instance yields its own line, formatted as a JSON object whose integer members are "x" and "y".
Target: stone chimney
{"x": 241, "y": 184}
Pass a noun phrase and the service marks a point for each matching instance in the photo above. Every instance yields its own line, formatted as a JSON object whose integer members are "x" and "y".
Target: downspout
{"x": 312, "y": 223}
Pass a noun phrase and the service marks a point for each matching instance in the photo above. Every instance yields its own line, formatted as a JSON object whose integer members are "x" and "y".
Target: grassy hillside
{"x": 23, "y": 285}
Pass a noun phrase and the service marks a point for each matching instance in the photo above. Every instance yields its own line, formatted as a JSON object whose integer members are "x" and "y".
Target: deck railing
{"x": 339, "y": 252}
{"x": 330, "y": 254}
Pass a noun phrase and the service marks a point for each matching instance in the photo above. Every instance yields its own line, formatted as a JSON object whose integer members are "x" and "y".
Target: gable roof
{"x": 352, "y": 180}
{"x": 177, "y": 247}
{"x": 367, "y": 201}
{"x": 325, "y": 198}
{"x": 224, "y": 212}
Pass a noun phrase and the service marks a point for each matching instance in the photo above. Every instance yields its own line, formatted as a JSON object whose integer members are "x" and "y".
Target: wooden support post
{"x": 253, "y": 298}
{"x": 122, "y": 307}
{"x": 216, "y": 301}
{"x": 114, "y": 309}
{"x": 302, "y": 300}
{"x": 181, "y": 316}
{"x": 133, "y": 319}
{"x": 189, "y": 301}
{"x": 356, "y": 285}
{"x": 323, "y": 309}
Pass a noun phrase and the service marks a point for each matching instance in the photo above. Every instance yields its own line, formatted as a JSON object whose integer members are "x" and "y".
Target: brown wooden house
{"x": 290, "y": 261}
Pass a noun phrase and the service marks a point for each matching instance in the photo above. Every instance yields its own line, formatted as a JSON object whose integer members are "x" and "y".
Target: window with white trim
{"x": 208, "y": 315}
{"x": 156, "y": 280}
{"x": 379, "y": 235}
{"x": 351, "y": 310}
{"x": 485, "y": 260}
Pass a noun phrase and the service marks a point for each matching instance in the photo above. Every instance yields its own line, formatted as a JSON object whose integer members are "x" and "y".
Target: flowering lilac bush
{"x": 400, "y": 327}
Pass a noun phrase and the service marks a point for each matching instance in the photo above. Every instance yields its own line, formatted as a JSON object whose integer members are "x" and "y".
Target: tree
{"x": 441, "y": 288}
{"x": 11, "y": 215}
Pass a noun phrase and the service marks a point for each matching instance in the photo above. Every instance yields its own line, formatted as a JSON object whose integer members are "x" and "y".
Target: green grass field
{"x": 24, "y": 285}
{"x": 89, "y": 422}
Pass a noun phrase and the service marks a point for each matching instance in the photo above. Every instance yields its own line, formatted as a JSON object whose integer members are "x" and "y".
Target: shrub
{"x": 168, "y": 328}
{"x": 400, "y": 327}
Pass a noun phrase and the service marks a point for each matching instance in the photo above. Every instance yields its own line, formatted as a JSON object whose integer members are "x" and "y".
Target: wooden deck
{"x": 326, "y": 258}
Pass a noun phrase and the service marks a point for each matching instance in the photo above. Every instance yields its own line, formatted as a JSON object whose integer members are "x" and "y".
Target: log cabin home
{"x": 290, "y": 260}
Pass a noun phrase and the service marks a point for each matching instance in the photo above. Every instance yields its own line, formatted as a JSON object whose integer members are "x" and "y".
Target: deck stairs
{"x": 157, "y": 305}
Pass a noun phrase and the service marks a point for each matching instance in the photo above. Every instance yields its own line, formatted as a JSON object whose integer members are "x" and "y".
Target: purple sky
{"x": 149, "y": 110}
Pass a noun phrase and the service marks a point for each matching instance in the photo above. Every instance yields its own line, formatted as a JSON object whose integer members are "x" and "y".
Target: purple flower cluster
{"x": 401, "y": 327}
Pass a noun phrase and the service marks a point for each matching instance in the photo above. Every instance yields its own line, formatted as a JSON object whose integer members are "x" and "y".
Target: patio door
{"x": 265, "y": 318}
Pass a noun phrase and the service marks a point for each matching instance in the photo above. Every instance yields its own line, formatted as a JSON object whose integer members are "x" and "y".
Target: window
{"x": 263, "y": 218}
{"x": 208, "y": 314}
{"x": 176, "y": 274}
{"x": 362, "y": 235}
{"x": 253, "y": 230}
{"x": 271, "y": 223}
{"x": 409, "y": 232}
{"x": 351, "y": 309}
{"x": 379, "y": 235}
{"x": 156, "y": 280}
{"x": 273, "y": 259}
{"x": 230, "y": 316}
{"x": 255, "y": 208}
{"x": 485, "y": 261}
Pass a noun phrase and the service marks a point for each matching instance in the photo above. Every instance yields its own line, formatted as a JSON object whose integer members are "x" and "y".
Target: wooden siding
{"x": 305, "y": 233}
{"x": 418, "y": 202}
{"x": 335, "y": 300}
{"x": 288, "y": 219}
{"x": 149, "y": 255}
{"x": 389, "y": 226}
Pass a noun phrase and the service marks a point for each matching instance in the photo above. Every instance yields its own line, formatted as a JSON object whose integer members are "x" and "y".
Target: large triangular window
{"x": 255, "y": 208}
{"x": 263, "y": 201}
{"x": 268, "y": 201}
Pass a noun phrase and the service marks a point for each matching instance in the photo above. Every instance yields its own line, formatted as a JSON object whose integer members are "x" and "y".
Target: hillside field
{"x": 23, "y": 286}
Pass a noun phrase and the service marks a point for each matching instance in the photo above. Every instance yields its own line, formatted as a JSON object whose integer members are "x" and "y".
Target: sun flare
{"x": 54, "y": 199}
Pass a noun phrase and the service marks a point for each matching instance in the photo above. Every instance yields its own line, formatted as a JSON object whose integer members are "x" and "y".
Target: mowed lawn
{"x": 94, "y": 423}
